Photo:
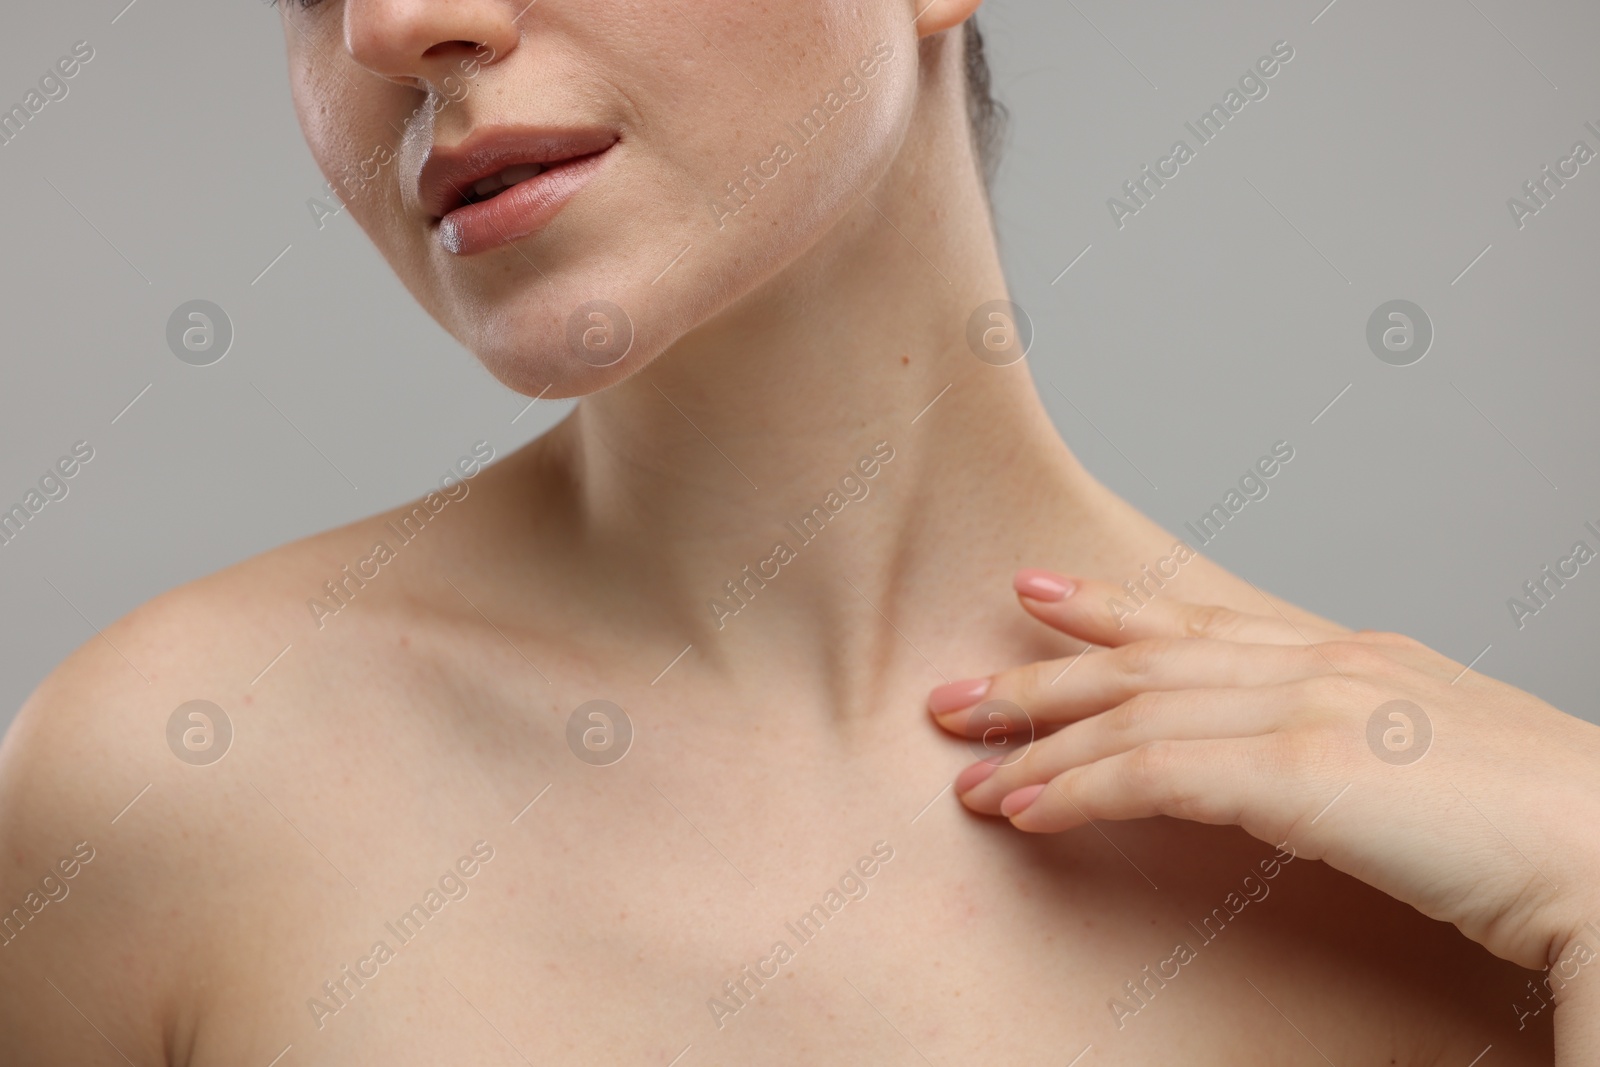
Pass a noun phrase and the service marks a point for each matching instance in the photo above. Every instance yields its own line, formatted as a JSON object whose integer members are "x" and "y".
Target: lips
{"x": 507, "y": 183}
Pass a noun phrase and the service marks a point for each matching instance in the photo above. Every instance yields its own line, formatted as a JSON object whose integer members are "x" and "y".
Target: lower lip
{"x": 520, "y": 211}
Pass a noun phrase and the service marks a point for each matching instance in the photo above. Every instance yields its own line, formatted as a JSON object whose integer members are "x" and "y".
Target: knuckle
{"x": 1139, "y": 660}
{"x": 1356, "y": 657}
{"x": 1390, "y": 640}
{"x": 1023, "y": 684}
{"x": 1289, "y": 753}
{"x": 1027, "y": 686}
{"x": 1323, "y": 690}
{"x": 1149, "y": 770}
{"x": 1133, "y": 714}
{"x": 1211, "y": 620}
{"x": 1147, "y": 766}
{"x": 1340, "y": 693}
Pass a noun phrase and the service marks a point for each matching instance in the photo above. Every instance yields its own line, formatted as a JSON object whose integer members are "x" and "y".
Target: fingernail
{"x": 1043, "y": 585}
{"x": 954, "y": 696}
{"x": 1017, "y": 802}
{"x": 975, "y": 775}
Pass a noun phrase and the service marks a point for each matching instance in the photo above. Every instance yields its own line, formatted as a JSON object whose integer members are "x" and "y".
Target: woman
{"x": 615, "y": 751}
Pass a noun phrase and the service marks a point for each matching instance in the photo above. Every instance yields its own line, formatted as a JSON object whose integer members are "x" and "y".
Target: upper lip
{"x": 450, "y": 171}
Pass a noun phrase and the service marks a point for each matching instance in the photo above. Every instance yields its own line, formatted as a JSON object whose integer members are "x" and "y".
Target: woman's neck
{"x": 723, "y": 493}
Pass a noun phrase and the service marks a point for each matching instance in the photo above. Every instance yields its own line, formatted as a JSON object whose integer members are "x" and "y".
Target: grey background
{"x": 1225, "y": 316}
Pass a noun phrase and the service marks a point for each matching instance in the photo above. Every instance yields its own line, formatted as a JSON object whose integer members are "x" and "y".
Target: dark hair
{"x": 986, "y": 116}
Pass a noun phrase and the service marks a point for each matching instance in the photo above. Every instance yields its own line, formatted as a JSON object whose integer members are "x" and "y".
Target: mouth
{"x": 495, "y": 184}
{"x": 505, "y": 183}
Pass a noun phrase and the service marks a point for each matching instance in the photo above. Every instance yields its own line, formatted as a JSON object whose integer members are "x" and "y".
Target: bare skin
{"x": 380, "y": 748}
{"x": 419, "y": 722}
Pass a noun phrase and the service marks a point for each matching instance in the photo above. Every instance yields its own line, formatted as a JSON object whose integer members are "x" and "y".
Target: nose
{"x": 417, "y": 43}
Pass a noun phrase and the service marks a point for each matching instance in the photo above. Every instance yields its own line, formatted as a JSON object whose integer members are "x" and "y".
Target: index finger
{"x": 1110, "y": 615}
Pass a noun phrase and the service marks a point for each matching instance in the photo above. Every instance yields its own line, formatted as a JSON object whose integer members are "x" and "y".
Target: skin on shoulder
{"x": 279, "y": 767}
{"x": 183, "y": 851}
{"x": 87, "y": 761}
{"x": 144, "y": 764}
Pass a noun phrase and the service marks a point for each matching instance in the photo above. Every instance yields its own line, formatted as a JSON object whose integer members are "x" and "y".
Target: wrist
{"x": 1573, "y": 971}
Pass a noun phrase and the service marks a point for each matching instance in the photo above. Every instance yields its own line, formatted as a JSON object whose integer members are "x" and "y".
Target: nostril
{"x": 446, "y": 47}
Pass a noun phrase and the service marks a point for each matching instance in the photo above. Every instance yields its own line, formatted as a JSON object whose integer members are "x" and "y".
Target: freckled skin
{"x": 607, "y": 66}
{"x": 431, "y": 713}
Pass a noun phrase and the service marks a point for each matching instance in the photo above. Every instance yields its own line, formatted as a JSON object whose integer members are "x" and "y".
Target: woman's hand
{"x": 1474, "y": 802}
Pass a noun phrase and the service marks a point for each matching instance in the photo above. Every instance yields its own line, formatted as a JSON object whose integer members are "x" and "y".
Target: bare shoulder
{"x": 132, "y": 833}
{"x": 1159, "y": 564}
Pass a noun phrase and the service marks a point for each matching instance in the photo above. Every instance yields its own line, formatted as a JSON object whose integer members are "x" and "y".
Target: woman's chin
{"x": 551, "y": 372}
{"x": 556, "y": 348}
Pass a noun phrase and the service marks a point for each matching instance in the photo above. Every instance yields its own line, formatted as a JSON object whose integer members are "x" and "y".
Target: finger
{"x": 1217, "y": 781}
{"x": 1192, "y": 715}
{"x": 1053, "y": 692}
{"x": 1111, "y": 615}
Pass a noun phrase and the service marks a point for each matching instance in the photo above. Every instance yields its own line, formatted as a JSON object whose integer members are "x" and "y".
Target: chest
{"x": 795, "y": 902}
